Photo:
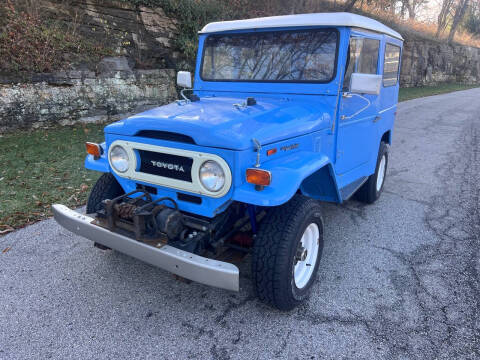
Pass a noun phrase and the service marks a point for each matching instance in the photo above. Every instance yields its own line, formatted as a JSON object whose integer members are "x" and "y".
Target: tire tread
{"x": 272, "y": 248}
{"x": 106, "y": 187}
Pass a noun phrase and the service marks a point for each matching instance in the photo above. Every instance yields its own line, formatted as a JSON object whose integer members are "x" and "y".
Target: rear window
{"x": 391, "y": 65}
{"x": 287, "y": 56}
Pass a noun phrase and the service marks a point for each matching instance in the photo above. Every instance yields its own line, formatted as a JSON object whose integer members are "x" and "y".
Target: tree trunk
{"x": 443, "y": 16}
{"x": 349, "y": 5}
{"x": 402, "y": 11}
{"x": 458, "y": 17}
{"x": 411, "y": 9}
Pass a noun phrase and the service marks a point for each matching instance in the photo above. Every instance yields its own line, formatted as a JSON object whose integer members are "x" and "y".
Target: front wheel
{"x": 106, "y": 187}
{"x": 287, "y": 253}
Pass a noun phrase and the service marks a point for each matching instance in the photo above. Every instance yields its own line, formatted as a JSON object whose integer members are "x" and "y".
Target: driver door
{"x": 358, "y": 112}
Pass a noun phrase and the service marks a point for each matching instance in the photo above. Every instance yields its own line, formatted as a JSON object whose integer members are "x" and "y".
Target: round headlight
{"x": 119, "y": 158}
{"x": 212, "y": 176}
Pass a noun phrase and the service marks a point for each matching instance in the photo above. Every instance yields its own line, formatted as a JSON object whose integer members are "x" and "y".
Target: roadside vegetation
{"x": 31, "y": 44}
{"x": 422, "y": 91}
{"x": 42, "y": 167}
{"x": 45, "y": 166}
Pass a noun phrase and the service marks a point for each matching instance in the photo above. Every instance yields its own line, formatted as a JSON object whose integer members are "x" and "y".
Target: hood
{"x": 216, "y": 122}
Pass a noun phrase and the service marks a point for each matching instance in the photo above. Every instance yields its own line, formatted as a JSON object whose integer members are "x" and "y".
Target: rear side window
{"x": 391, "y": 65}
{"x": 362, "y": 58}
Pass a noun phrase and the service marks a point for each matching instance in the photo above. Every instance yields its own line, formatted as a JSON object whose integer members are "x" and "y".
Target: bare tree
{"x": 460, "y": 11}
{"x": 444, "y": 15}
{"x": 403, "y": 10}
{"x": 412, "y": 6}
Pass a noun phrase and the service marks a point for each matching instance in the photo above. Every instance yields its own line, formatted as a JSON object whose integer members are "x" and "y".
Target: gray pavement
{"x": 398, "y": 280}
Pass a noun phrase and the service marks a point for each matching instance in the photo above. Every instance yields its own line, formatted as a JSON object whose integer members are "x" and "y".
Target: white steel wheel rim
{"x": 381, "y": 172}
{"x": 303, "y": 269}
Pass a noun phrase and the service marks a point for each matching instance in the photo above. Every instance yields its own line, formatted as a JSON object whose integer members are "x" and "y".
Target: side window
{"x": 362, "y": 58}
{"x": 391, "y": 65}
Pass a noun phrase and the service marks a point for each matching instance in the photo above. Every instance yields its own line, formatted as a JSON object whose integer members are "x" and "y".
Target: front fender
{"x": 100, "y": 164}
{"x": 288, "y": 175}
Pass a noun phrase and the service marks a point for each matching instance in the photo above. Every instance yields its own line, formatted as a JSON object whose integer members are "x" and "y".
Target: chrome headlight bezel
{"x": 212, "y": 176}
{"x": 121, "y": 152}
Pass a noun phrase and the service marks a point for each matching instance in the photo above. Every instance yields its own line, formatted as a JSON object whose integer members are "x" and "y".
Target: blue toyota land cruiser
{"x": 285, "y": 112}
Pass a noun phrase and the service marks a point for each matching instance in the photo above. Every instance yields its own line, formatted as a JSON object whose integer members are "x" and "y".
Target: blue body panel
{"x": 101, "y": 164}
{"x": 215, "y": 122}
{"x": 318, "y": 152}
{"x": 359, "y": 136}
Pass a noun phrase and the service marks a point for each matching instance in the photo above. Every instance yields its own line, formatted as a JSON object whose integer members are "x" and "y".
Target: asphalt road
{"x": 398, "y": 279}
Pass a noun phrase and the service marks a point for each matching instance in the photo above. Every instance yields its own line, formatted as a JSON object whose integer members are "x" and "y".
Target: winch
{"x": 150, "y": 221}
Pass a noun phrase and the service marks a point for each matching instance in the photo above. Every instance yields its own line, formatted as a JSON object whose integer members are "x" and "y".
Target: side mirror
{"x": 365, "y": 83}
{"x": 184, "y": 79}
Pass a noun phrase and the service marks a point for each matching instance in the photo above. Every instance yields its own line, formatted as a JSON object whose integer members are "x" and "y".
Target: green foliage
{"x": 29, "y": 44}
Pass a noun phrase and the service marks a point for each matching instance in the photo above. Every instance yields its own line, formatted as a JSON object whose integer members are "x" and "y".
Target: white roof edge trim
{"x": 302, "y": 20}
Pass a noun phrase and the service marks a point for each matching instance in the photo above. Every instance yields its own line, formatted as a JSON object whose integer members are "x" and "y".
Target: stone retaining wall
{"x": 83, "y": 96}
{"x": 428, "y": 62}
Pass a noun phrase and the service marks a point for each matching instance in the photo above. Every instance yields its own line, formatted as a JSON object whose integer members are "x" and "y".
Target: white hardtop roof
{"x": 318, "y": 19}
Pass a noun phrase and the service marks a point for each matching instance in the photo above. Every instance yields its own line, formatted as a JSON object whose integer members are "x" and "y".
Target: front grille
{"x": 166, "y": 165}
{"x": 165, "y": 135}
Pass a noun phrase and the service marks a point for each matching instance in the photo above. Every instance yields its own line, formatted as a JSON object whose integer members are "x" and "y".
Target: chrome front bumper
{"x": 182, "y": 263}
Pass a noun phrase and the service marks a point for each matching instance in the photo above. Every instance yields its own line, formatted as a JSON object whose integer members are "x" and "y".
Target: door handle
{"x": 378, "y": 117}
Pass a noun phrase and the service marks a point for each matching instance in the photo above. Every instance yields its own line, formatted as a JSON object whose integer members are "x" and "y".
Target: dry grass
{"x": 29, "y": 43}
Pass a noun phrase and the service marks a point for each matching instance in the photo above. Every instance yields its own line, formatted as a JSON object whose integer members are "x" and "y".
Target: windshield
{"x": 287, "y": 56}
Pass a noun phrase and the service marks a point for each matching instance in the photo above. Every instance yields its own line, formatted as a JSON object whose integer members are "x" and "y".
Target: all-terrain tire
{"x": 106, "y": 187}
{"x": 275, "y": 249}
{"x": 370, "y": 192}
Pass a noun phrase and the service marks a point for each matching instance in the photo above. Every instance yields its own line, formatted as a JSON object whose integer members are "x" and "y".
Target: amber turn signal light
{"x": 94, "y": 149}
{"x": 259, "y": 177}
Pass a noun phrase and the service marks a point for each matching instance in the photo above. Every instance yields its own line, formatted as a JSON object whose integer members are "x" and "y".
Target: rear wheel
{"x": 372, "y": 189}
{"x": 287, "y": 253}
